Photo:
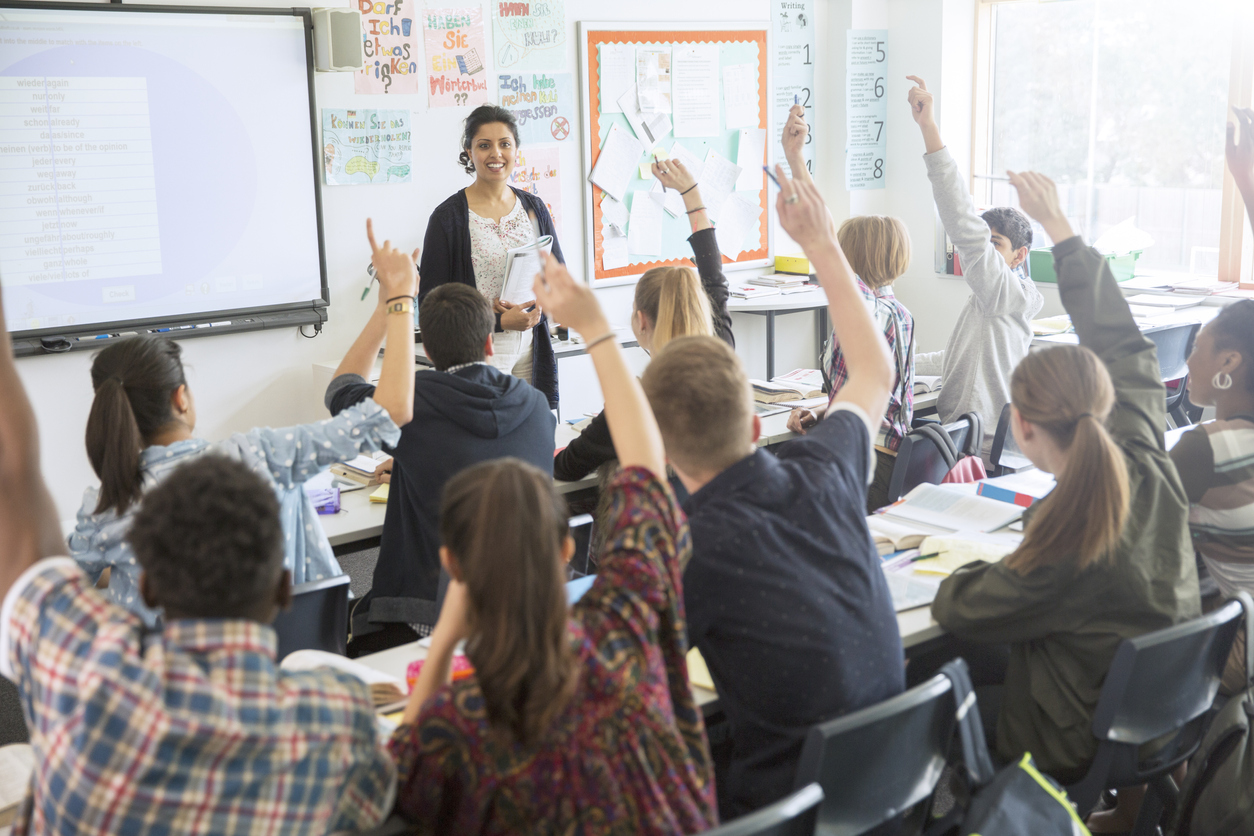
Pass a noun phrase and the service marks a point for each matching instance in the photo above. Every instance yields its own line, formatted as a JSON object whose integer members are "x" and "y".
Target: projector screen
{"x": 156, "y": 168}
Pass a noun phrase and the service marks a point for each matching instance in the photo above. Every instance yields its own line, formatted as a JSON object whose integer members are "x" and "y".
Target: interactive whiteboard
{"x": 157, "y": 169}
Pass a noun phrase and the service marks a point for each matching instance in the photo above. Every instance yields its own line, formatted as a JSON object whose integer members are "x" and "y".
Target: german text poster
{"x": 792, "y": 22}
{"x": 366, "y": 146}
{"x": 866, "y": 108}
{"x": 536, "y": 170}
{"x": 543, "y": 104}
{"x": 456, "y": 53}
{"x": 529, "y": 35}
{"x": 393, "y": 56}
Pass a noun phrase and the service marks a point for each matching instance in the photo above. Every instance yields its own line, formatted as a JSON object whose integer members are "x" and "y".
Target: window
{"x": 1123, "y": 103}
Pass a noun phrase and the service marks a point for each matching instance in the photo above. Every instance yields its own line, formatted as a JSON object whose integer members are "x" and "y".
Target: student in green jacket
{"x": 1106, "y": 556}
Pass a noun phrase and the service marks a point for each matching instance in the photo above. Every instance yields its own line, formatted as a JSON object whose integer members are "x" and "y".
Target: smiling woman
{"x": 469, "y": 235}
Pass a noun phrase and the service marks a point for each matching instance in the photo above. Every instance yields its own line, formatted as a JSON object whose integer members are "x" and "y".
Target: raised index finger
{"x": 920, "y": 82}
{"x": 370, "y": 234}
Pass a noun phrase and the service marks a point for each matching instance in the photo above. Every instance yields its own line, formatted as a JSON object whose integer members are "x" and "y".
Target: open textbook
{"x": 522, "y": 265}
{"x": 953, "y": 509}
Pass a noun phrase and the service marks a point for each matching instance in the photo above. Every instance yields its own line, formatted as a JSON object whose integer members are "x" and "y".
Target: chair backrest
{"x": 1174, "y": 344}
{"x": 581, "y": 530}
{"x": 925, "y": 457}
{"x": 791, "y": 816}
{"x": 876, "y": 763}
{"x": 317, "y": 619}
{"x": 1160, "y": 681}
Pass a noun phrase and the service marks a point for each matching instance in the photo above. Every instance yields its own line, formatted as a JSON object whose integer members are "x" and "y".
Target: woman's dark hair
{"x": 1234, "y": 331}
{"x": 480, "y": 116}
{"x": 505, "y": 524}
{"x": 134, "y": 380}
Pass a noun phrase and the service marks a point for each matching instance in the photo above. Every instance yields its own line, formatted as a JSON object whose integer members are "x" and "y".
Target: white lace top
{"x": 489, "y": 243}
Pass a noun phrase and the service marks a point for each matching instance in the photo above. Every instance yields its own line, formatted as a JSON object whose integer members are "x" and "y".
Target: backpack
{"x": 1017, "y": 800}
{"x": 1217, "y": 796}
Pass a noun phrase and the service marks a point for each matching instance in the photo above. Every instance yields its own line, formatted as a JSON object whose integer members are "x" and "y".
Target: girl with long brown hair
{"x": 575, "y": 720}
{"x": 1106, "y": 555}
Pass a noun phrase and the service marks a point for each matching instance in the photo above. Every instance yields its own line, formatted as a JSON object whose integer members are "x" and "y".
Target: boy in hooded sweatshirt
{"x": 465, "y": 412}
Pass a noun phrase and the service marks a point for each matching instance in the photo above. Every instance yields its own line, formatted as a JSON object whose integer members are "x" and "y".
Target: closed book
{"x": 1020, "y": 489}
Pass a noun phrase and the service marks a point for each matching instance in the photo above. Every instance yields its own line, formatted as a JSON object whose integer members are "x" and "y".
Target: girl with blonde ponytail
{"x": 1106, "y": 555}
{"x": 670, "y": 302}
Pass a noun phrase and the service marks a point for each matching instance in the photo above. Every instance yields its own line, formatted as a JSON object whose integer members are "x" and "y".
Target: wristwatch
{"x": 405, "y": 305}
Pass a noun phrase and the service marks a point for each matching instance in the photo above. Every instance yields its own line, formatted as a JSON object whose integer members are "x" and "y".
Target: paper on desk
{"x": 910, "y": 590}
{"x": 953, "y": 551}
{"x": 644, "y": 230}
{"x": 616, "y": 164}
{"x": 614, "y": 250}
{"x": 740, "y": 96}
{"x": 717, "y": 182}
{"x": 653, "y": 80}
{"x": 308, "y": 660}
{"x": 738, "y": 219}
{"x": 698, "y": 671}
{"x": 954, "y": 509}
{"x": 618, "y": 75}
{"x": 750, "y": 156}
{"x": 650, "y": 128}
{"x": 696, "y": 90}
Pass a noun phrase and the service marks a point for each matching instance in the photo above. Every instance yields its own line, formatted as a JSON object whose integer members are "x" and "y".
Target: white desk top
{"x": 809, "y": 300}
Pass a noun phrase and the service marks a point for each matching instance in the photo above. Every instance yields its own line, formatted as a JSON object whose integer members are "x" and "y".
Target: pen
{"x": 992, "y": 177}
{"x": 772, "y": 176}
{"x": 796, "y": 100}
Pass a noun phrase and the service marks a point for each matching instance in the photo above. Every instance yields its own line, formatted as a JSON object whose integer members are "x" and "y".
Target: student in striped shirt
{"x": 1216, "y": 460}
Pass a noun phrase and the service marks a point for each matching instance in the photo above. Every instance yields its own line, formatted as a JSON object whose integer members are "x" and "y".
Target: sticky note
{"x": 646, "y": 171}
{"x": 659, "y": 154}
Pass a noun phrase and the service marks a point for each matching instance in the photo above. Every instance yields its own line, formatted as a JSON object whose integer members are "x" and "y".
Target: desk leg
{"x": 770, "y": 344}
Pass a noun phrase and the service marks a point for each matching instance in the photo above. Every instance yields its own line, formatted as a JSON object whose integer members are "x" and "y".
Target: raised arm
{"x": 398, "y": 278}
{"x": 632, "y": 426}
{"x": 804, "y": 216}
{"x": 29, "y": 528}
{"x": 1100, "y": 315}
{"x": 1241, "y": 158}
{"x": 675, "y": 176}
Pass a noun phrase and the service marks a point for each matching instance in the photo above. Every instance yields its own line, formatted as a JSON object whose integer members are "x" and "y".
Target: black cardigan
{"x": 594, "y": 447}
{"x": 446, "y": 258}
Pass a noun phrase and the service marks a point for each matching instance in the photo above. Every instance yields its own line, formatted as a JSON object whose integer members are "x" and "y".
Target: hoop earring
{"x": 1221, "y": 380}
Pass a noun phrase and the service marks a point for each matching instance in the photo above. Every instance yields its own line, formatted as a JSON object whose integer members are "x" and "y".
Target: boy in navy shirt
{"x": 784, "y": 593}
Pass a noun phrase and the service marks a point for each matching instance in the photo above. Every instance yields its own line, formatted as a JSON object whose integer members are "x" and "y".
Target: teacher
{"x": 469, "y": 235}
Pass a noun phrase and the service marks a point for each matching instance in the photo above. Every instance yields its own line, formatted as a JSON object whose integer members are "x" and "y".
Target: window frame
{"x": 1236, "y": 243}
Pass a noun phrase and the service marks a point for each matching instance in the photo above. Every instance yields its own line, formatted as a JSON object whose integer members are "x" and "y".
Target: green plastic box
{"x": 1041, "y": 263}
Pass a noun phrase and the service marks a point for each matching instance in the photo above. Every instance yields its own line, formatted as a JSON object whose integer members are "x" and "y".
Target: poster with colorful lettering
{"x": 366, "y": 146}
{"x": 455, "y": 57}
{"x": 529, "y": 35}
{"x": 389, "y": 34}
{"x": 543, "y": 104}
{"x": 536, "y": 170}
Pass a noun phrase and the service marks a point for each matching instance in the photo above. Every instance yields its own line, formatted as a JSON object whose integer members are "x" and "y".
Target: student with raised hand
{"x": 1240, "y": 155}
{"x": 194, "y": 730}
{"x": 576, "y": 719}
{"x": 784, "y": 592}
{"x": 994, "y": 329}
{"x": 142, "y": 424}
{"x": 1106, "y": 556}
{"x": 670, "y": 302}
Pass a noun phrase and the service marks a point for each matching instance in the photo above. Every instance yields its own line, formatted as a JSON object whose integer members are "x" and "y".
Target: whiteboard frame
{"x": 584, "y": 28}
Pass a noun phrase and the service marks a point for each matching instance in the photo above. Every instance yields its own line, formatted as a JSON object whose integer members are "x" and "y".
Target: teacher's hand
{"x": 518, "y": 317}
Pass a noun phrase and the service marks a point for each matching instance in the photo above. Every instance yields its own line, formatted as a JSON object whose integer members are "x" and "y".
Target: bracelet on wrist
{"x": 408, "y": 296}
{"x": 591, "y": 344}
{"x": 698, "y": 209}
{"x": 690, "y": 188}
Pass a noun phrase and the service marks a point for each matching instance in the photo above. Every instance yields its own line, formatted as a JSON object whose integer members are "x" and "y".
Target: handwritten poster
{"x": 455, "y": 57}
{"x": 366, "y": 146}
{"x": 543, "y": 104}
{"x": 536, "y": 170}
{"x": 866, "y": 108}
{"x": 529, "y": 35}
{"x": 793, "y": 80}
{"x": 389, "y": 33}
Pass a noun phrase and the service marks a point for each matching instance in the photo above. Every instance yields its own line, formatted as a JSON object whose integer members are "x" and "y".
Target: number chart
{"x": 697, "y": 92}
{"x": 866, "y": 109}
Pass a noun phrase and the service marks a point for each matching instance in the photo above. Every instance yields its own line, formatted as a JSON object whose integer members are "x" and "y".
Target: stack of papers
{"x": 1201, "y": 287}
{"x": 779, "y": 280}
{"x": 748, "y": 291}
{"x": 1153, "y": 301}
{"x": 1051, "y": 325}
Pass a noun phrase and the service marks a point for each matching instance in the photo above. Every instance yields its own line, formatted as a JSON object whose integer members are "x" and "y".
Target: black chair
{"x": 1159, "y": 684}
{"x": 1002, "y": 461}
{"x": 1174, "y": 344}
{"x": 316, "y": 619}
{"x": 925, "y": 455}
{"x": 581, "y": 529}
{"x": 791, "y": 816}
{"x": 879, "y": 762}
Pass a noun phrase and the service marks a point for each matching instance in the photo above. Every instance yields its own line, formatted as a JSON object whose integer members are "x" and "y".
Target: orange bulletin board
{"x": 738, "y": 43}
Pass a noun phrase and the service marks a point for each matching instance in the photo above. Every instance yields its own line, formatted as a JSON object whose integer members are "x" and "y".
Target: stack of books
{"x": 779, "y": 281}
{"x": 362, "y": 470}
{"x": 749, "y": 291}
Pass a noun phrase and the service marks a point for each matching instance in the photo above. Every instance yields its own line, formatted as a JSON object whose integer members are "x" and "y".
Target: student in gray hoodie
{"x": 465, "y": 412}
{"x": 994, "y": 330}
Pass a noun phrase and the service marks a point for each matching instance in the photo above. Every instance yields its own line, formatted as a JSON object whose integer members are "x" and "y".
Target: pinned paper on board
{"x": 717, "y": 182}
{"x": 653, "y": 80}
{"x": 614, "y": 250}
{"x": 393, "y": 56}
{"x": 616, "y": 164}
{"x": 644, "y": 230}
{"x": 366, "y": 146}
{"x": 543, "y": 104}
{"x": 866, "y": 108}
{"x": 536, "y": 170}
{"x": 695, "y": 90}
{"x": 793, "y": 78}
{"x": 739, "y": 220}
{"x": 455, "y": 46}
{"x": 529, "y": 35}
{"x": 650, "y": 128}
{"x": 750, "y": 156}
{"x": 618, "y": 75}
{"x": 740, "y": 96}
